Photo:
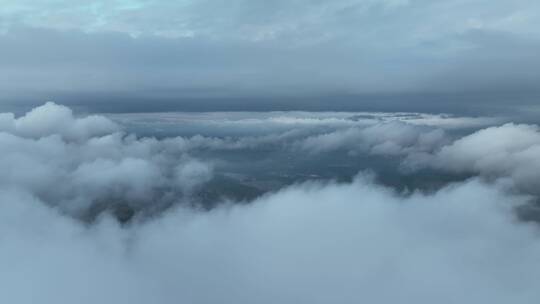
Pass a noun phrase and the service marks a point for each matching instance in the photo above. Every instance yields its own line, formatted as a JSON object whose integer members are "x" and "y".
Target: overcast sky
{"x": 238, "y": 54}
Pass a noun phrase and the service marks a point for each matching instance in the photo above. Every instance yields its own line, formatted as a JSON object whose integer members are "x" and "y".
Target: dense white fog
{"x": 310, "y": 242}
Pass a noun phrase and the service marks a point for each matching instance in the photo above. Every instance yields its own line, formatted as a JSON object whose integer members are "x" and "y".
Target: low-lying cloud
{"x": 510, "y": 152}
{"x": 77, "y": 163}
{"x": 51, "y": 119}
{"x": 379, "y": 139}
{"x": 311, "y": 242}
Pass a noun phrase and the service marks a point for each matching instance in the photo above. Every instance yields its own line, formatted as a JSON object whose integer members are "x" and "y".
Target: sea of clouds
{"x": 64, "y": 177}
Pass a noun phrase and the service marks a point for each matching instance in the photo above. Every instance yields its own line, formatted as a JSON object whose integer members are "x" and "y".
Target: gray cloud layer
{"x": 195, "y": 49}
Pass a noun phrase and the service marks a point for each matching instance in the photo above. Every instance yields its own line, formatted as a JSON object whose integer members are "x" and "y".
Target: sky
{"x": 118, "y": 56}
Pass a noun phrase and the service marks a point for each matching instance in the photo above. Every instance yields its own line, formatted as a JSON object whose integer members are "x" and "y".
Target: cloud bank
{"x": 255, "y": 54}
{"x": 509, "y": 152}
{"x": 311, "y": 242}
{"x": 51, "y": 119}
{"x": 80, "y": 163}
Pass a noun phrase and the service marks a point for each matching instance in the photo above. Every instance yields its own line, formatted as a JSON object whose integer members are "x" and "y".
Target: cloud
{"x": 52, "y": 119}
{"x": 380, "y": 139}
{"x": 85, "y": 165}
{"x": 78, "y": 163}
{"x": 237, "y": 130}
{"x": 91, "y": 214}
{"x": 259, "y": 20}
{"x": 242, "y": 53}
{"x": 192, "y": 174}
{"x": 508, "y": 152}
{"x": 310, "y": 243}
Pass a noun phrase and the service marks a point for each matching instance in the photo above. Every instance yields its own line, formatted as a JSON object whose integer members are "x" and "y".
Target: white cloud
{"x": 192, "y": 174}
{"x": 75, "y": 163}
{"x": 308, "y": 243}
{"x": 311, "y": 243}
{"x": 391, "y": 139}
{"x": 510, "y": 152}
{"x": 314, "y": 132}
{"x": 53, "y": 119}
